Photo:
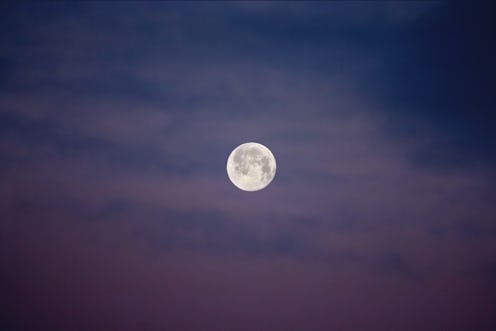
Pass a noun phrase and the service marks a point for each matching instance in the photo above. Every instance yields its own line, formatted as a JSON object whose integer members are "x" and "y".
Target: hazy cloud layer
{"x": 116, "y": 121}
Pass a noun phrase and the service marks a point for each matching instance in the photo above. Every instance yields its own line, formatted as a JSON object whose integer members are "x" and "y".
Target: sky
{"x": 116, "y": 121}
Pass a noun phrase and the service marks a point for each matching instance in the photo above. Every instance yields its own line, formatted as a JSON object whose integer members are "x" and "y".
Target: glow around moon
{"x": 251, "y": 166}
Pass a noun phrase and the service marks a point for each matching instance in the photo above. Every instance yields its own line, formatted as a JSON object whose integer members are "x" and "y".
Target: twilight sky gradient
{"x": 116, "y": 121}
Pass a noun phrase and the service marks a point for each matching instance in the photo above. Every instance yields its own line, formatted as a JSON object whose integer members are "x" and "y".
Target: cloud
{"x": 116, "y": 203}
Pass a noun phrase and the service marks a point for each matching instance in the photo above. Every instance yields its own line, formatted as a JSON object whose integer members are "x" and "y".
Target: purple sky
{"x": 116, "y": 121}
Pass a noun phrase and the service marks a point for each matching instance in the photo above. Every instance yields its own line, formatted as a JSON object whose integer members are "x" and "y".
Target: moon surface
{"x": 251, "y": 166}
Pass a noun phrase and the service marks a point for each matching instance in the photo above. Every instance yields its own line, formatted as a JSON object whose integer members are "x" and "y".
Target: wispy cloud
{"x": 116, "y": 121}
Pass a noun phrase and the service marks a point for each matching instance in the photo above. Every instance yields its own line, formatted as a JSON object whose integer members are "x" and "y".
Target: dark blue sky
{"x": 116, "y": 120}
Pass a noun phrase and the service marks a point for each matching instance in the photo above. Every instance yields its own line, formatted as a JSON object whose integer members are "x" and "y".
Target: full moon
{"x": 251, "y": 166}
